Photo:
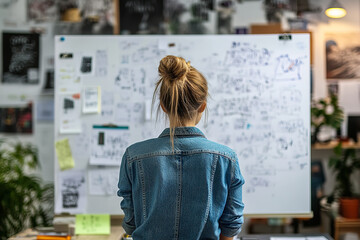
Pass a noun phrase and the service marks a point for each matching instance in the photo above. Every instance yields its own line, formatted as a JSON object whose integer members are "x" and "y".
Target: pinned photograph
{"x": 87, "y": 64}
{"x": 42, "y": 10}
{"x": 16, "y": 119}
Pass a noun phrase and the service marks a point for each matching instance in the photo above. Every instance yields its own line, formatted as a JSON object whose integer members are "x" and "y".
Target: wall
{"x": 321, "y": 26}
{"x": 248, "y": 13}
{"x": 14, "y": 18}
{"x": 350, "y": 23}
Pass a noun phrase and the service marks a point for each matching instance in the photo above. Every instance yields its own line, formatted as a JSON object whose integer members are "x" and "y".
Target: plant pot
{"x": 349, "y": 207}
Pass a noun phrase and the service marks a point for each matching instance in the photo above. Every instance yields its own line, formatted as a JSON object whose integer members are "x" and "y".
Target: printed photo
{"x": 42, "y": 10}
{"x": 16, "y": 119}
{"x": 343, "y": 55}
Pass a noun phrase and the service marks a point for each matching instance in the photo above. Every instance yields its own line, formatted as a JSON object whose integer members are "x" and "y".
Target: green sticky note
{"x": 63, "y": 152}
{"x": 91, "y": 224}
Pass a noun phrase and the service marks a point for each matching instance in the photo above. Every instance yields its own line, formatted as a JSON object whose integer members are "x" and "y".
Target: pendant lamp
{"x": 335, "y": 10}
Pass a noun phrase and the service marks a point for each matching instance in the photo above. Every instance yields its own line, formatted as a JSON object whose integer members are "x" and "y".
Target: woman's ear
{"x": 162, "y": 107}
{"x": 202, "y": 107}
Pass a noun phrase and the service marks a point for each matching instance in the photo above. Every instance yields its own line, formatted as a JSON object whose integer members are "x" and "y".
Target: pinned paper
{"x": 70, "y": 121}
{"x": 90, "y": 224}
{"x": 45, "y": 110}
{"x": 101, "y": 66}
{"x": 107, "y": 104}
{"x": 87, "y": 64}
{"x": 92, "y": 100}
{"x": 71, "y": 192}
{"x": 349, "y": 96}
{"x": 64, "y": 155}
{"x": 108, "y": 144}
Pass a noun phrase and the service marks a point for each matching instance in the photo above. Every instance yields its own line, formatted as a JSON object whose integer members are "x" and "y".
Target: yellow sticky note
{"x": 87, "y": 224}
{"x": 64, "y": 155}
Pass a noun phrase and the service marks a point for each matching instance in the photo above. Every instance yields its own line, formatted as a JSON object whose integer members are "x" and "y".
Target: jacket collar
{"x": 183, "y": 132}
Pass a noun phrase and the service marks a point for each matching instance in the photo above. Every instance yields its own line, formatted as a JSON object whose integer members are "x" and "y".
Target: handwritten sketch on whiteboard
{"x": 103, "y": 181}
{"x": 101, "y": 66}
{"x": 107, "y": 104}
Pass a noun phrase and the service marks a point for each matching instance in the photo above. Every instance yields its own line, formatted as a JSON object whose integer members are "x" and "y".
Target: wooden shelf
{"x": 333, "y": 144}
{"x": 344, "y": 225}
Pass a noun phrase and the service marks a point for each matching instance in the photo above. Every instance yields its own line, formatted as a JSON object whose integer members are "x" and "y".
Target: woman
{"x": 181, "y": 185}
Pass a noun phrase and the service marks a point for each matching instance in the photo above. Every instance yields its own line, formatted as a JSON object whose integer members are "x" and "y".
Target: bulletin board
{"x": 259, "y": 106}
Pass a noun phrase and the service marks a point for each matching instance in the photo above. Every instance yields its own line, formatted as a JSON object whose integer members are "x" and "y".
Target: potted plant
{"x": 344, "y": 164}
{"x": 325, "y": 112}
{"x": 24, "y": 200}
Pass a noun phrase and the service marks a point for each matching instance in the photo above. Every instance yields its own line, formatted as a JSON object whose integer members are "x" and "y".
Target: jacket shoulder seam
{"x": 149, "y": 155}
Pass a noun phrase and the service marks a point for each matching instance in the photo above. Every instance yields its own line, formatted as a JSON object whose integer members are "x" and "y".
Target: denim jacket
{"x": 193, "y": 192}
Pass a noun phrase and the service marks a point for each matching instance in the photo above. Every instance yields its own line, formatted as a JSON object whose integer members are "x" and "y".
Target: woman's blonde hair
{"x": 183, "y": 89}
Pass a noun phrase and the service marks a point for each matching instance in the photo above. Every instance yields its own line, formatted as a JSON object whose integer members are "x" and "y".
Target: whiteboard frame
{"x": 56, "y": 169}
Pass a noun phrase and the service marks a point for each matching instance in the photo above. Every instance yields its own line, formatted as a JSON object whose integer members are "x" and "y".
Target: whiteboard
{"x": 259, "y": 106}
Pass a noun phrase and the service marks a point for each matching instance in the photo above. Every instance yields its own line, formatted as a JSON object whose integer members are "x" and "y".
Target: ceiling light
{"x": 335, "y": 10}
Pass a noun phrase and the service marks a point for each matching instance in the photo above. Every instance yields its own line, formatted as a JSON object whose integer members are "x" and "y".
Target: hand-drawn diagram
{"x": 91, "y": 100}
{"x": 288, "y": 69}
{"x": 103, "y": 181}
{"x": 129, "y": 112}
{"x": 80, "y": 143}
{"x": 107, "y": 104}
{"x": 243, "y": 53}
{"x": 123, "y": 113}
{"x": 255, "y": 95}
{"x": 131, "y": 82}
{"x": 101, "y": 65}
{"x": 146, "y": 53}
{"x": 72, "y": 197}
{"x": 108, "y": 144}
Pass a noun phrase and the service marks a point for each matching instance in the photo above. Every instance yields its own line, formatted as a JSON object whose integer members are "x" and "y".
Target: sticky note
{"x": 63, "y": 153}
{"x": 90, "y": 224}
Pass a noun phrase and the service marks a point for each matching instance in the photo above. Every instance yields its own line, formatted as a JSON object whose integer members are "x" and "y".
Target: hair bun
{"x": 173, "y": 68}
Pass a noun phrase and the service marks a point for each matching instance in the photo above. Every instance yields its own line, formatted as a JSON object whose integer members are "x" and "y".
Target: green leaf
{"x": 24, "y": 200}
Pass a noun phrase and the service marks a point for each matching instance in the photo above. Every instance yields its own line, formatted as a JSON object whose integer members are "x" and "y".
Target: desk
{"x": 116, "y": 233}
{"x": 345, "y": 225}
{"x": 268, "y": 236}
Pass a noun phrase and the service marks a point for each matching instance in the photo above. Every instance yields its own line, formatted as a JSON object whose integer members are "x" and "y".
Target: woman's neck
{"x": 186, "y": 124}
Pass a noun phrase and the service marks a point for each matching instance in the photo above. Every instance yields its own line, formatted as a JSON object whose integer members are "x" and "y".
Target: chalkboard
{"x": 147, "y": 17}
{"x": 21, "y": 57}
{"x": 259, "y": 105}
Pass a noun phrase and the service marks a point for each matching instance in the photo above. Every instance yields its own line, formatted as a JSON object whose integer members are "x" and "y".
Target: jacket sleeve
{"x": 232, "y": 218}
{"x": 125, "y": 191}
